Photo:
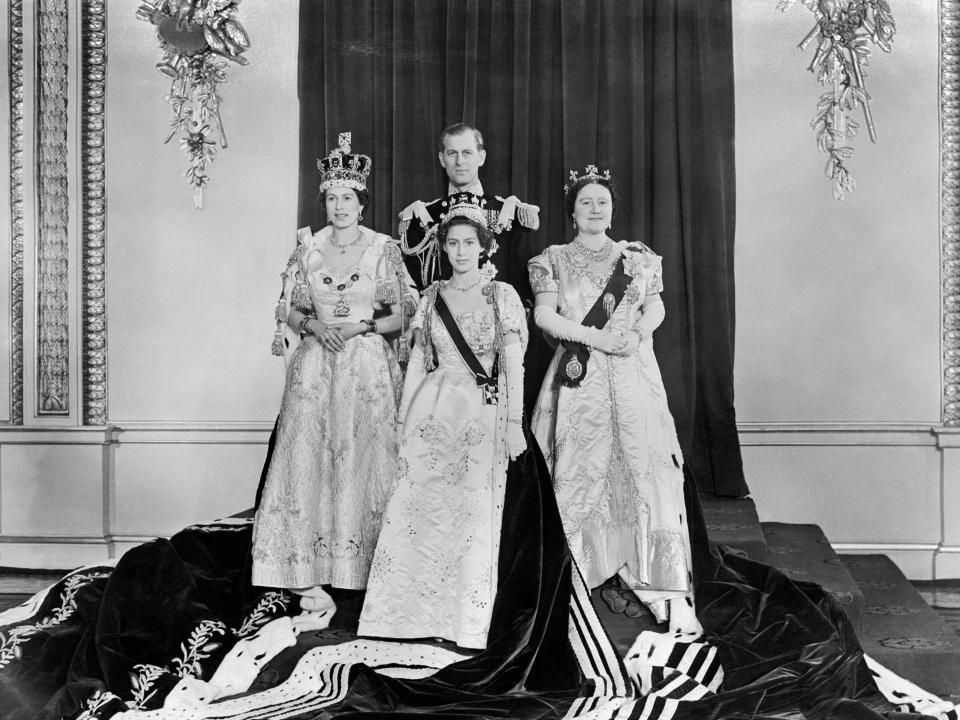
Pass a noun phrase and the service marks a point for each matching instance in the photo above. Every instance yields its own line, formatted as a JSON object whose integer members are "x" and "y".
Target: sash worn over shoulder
{"x": 573, "y": 361}
{"x": 487, "y": 382}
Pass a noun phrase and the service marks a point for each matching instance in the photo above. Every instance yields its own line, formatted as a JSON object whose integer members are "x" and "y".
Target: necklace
{"x": 342, "y": 308}
{"x": 343, "y": 247}
{"x": 598, "y": 255}
{"x": 467, "y": 288}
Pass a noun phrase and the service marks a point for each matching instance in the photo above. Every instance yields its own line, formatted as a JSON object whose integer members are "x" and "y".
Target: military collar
{"x": 476, "y": 189}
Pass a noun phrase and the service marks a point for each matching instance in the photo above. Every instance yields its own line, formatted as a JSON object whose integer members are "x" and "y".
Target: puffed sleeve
{"x": 543, "y": 273}
{"x": 653, "y": 272}
{"x": 513, "y": 316}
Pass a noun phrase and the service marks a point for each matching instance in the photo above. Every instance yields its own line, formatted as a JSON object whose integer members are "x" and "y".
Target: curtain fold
{"x": 643, "y": 88}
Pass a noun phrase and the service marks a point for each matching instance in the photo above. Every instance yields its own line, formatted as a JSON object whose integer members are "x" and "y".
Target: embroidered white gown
{"x": 435, "y": 569}
{"x": 334, "y": 463}
{"x": 611, "y": 444}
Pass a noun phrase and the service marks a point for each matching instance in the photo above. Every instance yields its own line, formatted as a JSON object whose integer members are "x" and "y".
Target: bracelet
{"x": 518, "y": 421}
{"x": 371, "y": 326}
{"x": 303, "y": 325}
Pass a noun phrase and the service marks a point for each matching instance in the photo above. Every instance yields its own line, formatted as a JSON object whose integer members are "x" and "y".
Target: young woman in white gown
{"x": 435, "y": 569}
{"x": 602, "y": 419}
{"x": 334, "y": 462}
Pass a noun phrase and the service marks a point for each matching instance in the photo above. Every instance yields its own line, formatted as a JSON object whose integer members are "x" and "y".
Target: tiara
{"x": 465, "y": 205}
{"x": 590, "y": 172}
{"x": 340, "y": 168}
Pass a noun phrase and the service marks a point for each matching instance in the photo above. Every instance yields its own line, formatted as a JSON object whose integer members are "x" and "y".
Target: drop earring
{"x": 360, "y": 217}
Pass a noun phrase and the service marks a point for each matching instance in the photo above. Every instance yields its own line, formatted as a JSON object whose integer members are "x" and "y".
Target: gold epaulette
{"x": 527, "y": 214}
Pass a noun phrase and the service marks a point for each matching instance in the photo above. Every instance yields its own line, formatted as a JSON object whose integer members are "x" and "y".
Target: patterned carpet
{"x": 944, "y": 597}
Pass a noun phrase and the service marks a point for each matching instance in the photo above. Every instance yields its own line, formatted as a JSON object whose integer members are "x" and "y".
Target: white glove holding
{"x": 513, "y": 366}
{"x": 415, "y": 374}
{"x": 552, "y": 322}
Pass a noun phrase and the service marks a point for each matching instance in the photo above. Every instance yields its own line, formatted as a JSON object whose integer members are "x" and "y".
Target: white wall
{"x": 838, "y": 303}
{"x": 191, "y": 292}
{"x": 193, "y": 389}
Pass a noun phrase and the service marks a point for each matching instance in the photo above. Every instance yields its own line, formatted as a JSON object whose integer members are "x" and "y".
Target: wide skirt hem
{"x": 470, "y": 642}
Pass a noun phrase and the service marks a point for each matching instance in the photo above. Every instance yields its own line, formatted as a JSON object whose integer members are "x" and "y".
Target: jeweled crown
{"x": 342, "y": 169}
{"x": 589, "y": 173}
{"x": 466, "y": 205}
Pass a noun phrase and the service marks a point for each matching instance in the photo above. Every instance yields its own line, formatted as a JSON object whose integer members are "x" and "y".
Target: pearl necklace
{"x": 468, "y": 288}
{"x": 598, "y": 255}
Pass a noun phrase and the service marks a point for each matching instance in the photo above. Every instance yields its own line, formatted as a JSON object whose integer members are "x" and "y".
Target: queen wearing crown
{"x": 435, "y": 569}
{"x": 602, "y": 419}
{"x": 335, "y": 456}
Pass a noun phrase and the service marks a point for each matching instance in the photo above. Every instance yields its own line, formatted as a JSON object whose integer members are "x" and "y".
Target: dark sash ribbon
{"x": 573, "y": 360}
{"x": 487, "y": 382}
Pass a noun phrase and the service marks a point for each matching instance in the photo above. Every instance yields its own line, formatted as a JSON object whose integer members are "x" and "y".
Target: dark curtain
{"x": 643, "y": 88}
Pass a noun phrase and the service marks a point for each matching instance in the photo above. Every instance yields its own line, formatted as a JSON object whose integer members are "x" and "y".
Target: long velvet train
{"x": 105, "y": 640}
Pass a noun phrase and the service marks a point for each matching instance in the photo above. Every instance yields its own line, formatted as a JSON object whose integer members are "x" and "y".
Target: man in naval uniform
{"x": 462, "y": 154}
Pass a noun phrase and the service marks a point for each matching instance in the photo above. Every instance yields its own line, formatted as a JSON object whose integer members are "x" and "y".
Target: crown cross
{"x": 341, "y": 168}
{"x": 590, "y": 172}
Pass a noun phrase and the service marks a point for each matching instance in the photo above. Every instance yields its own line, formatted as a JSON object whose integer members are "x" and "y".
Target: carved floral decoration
{"x": 196, "y": 36}
{"x": 843, "y": 34}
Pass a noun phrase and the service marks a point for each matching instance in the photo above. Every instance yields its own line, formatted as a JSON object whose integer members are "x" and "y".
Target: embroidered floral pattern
{"x": 336, "y": 444}
{"x": 95, "y": 704}
{"x": 142, "y": 679}
{"x": 610, "y": 443}
{"x": 440, "y": 539}
{"x": 198, "y": 647}
{"x": 11, "y": 642}
{"x": 270, "y": 605}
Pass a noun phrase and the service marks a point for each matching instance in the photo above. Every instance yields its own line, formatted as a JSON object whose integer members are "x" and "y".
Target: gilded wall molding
{"x": 15, "y": 36}
{"x": 93, "y": 28}
{"x": 950, "y": 206}
{"x": 52, "y": 292}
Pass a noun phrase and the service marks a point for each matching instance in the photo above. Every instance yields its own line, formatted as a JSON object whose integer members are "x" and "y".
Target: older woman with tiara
{"x": 435, "y": 569}
{"x": 602, "y": 419}
{"x": 335, "y": 456}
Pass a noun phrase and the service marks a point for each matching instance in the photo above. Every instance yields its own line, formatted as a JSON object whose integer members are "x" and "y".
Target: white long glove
{"x": 415, "y": 374}
{"x": 513, "y": 366}
{"x": 552, "y": 322}
{"x": 651, "y": 315}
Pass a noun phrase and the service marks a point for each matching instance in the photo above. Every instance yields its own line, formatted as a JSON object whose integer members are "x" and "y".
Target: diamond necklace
{"x": 343, "y": 247}
{"x": 598, "y": 255}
